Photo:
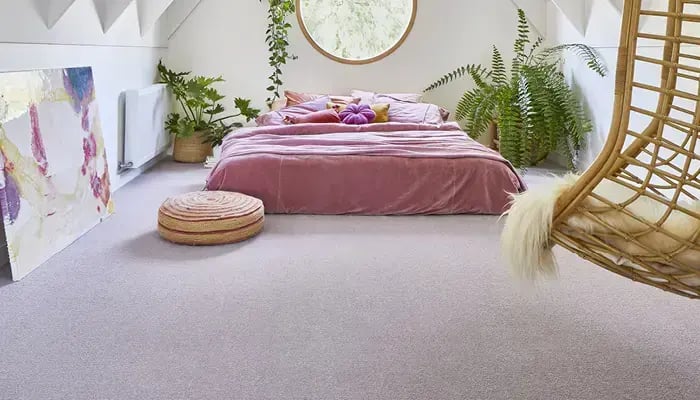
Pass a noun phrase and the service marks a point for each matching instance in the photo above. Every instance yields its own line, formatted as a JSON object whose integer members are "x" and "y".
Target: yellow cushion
{"x": 381, "y": 109}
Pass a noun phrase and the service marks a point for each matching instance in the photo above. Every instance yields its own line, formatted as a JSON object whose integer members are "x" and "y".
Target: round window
{"x": 356, "y": 31}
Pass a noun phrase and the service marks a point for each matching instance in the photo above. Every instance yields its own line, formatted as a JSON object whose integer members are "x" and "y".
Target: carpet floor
{"x": 331, "y": 308}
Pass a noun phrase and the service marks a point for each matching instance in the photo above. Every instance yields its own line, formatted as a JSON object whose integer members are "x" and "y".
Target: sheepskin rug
{"x": 526, "y": 236}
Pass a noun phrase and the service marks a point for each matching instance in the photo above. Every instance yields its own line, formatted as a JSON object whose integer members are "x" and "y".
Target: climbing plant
{"x": 277, "y": 41}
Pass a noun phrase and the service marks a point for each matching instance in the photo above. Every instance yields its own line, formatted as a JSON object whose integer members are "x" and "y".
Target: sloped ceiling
{"x": 52, "y": 10}
{"x": 535, "y": 11}
{"x": 177, "y": 11}
{"x": 576, "y": 11}
{"x": 619, "y": 4}
{"x": 174, "y": 12}
{"x": 109, "y": 11}
{"x": 177, "y": 14}
{"x": 150, "y": 11}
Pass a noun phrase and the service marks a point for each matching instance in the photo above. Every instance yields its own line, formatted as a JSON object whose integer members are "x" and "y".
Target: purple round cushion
{"x": 357, "y": 114}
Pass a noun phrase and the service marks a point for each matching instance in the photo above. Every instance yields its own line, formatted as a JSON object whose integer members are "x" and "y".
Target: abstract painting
{"x": 54, "y": 184}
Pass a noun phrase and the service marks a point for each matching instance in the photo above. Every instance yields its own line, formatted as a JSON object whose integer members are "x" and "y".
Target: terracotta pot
{"x": 191, "y": 149}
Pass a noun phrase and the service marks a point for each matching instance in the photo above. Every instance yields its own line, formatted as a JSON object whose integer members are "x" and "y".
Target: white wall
{"x": 224, "y": 37}
{"x": 602, "y": 32}
{"x": 121, "y": 59}
{"x": 596, "y": 92}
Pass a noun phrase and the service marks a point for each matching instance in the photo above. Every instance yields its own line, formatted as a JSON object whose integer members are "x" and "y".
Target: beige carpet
{"x": 331, "y": 308}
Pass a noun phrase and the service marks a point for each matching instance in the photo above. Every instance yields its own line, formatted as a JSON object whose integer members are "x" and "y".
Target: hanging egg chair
{"x": 635, "y": 211}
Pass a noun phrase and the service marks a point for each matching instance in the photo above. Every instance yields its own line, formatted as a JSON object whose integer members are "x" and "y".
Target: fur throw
{"x": 526, "y": 236}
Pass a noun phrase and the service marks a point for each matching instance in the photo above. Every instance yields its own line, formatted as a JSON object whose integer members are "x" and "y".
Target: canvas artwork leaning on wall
{"x": 54, "y": 185}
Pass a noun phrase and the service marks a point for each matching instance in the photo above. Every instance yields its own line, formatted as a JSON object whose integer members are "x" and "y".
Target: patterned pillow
{"x": 357, "y": 114}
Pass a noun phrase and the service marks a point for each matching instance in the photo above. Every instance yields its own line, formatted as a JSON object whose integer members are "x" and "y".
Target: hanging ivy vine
{"x": 277, "y": 41}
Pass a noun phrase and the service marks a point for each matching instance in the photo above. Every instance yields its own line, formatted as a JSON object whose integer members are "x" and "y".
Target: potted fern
{"x": 201, "y": 125}
{"x": 532, "y": 105}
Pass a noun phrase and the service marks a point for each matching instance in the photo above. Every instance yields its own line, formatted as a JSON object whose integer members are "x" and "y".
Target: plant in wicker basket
{"x": 200, "y": 123}
{"x": 535, "y": 109}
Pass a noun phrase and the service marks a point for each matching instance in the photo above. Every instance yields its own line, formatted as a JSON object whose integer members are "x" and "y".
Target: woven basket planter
{"x": 209, "y": 218}
{"x": 191, "y": 149}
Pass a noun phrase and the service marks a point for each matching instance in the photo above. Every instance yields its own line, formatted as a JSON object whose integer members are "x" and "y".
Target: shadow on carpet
{"x": 150, "y": 245}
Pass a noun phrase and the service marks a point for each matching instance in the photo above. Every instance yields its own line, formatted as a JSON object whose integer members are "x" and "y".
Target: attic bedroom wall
{"x": 603, "y": 22}
{"x": 224, "y": 37}
{"x": 121, "y": 58}
{"x": 602, "y": 33}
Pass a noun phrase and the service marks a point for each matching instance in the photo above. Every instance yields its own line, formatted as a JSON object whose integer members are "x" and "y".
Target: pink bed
{"x": 377, "y": 169}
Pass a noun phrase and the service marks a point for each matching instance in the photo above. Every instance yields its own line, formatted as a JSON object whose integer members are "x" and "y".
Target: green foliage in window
{"x": 356, "y": 30}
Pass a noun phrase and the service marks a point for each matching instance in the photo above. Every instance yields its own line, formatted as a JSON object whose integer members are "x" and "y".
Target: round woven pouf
{"x": 208, "y": 218}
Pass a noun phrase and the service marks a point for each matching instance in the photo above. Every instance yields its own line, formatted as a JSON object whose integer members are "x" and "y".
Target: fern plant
{"x": 536, "y": 111}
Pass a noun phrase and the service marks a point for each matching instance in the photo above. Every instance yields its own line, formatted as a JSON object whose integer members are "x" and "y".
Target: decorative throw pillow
{"x": 372, "y": 97}
{"x": 381, "y": 111}
{"x": 316, "y": 117}
{"x": 277, "y": 117}
{"x": 357, "y": 114}
{"x": 416, "y": 113}
{"x": 294, "y": 98}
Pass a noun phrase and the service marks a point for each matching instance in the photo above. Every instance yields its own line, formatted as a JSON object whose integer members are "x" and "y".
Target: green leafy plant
{"x": 201, "y": 107}
{"x": 277, "y": 41}
{"x": 535, "y": 109}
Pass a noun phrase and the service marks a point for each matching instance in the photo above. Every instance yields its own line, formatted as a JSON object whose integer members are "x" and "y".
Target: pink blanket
{"x": 377, "y": 169}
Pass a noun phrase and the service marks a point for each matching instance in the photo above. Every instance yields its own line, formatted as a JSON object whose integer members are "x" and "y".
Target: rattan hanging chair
{"x": 652, "y": 165}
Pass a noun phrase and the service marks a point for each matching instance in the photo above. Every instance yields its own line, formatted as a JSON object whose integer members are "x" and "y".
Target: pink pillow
{"x": 415, "y": 113}
{"x": 277, "y": 117}
{"x": 294, "y": 98}
{"x": 372, "y": 97}
{"x": 406, "y": 98}
{"x": 316, "y": 117}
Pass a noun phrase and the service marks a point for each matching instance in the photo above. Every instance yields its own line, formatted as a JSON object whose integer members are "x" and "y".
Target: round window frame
{"x": 341, "y": 60}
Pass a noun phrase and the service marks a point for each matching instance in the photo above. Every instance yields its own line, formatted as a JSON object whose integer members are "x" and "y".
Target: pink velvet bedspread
{"x": 377, "y": 169}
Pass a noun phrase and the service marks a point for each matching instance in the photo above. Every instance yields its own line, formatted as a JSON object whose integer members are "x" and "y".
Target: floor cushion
{"x": 210, "y": 217}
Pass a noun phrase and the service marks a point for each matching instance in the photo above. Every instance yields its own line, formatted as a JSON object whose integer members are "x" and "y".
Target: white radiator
{"x": 145, "y": 136}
